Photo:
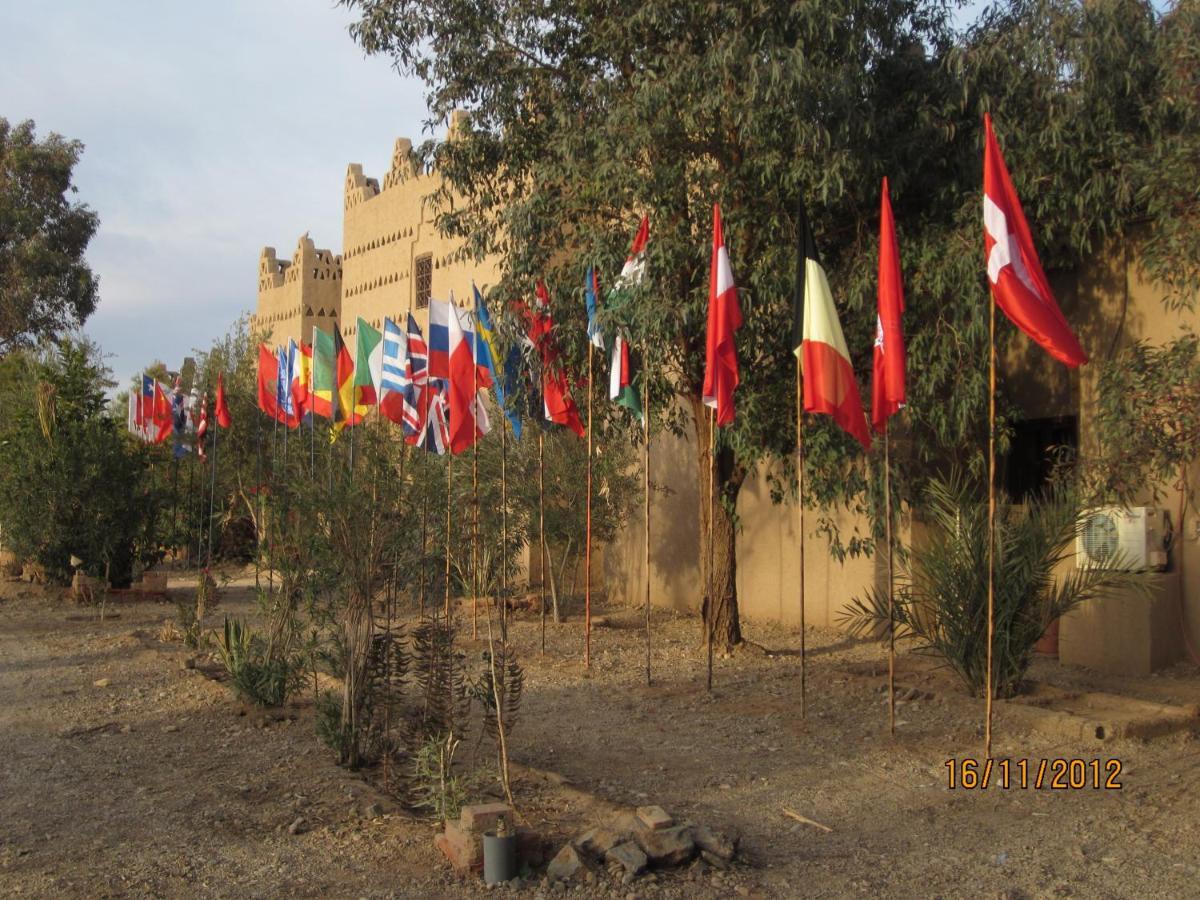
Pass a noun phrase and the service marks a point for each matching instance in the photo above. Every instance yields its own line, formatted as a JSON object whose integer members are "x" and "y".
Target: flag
{"x": 635, "y": 264}
{"x": 417, "y": 369}
{"x": 439, "y": 338}
{"x": 161, "y": 416}
{"x": 222, "y": 407}
{"x": 489, "y": 355}
{"x": 145, "y": 408}
{"x": 724, "y": 319}
{"x": 591, "y": 288}
{"x": 887, "y": 371}
{"x": 302, "y": 380}
{"x": 285, "y": 400}
{"x": 829, "y": 385}
{"x": 558, "y": 405}
{"x": 202, "y": 425}
{"x": 435, "y": 433}
{"x": 344, "y": 412}
{"x": 268, "y": 381}
{"x": 620, "y": 374}
{"x": 394, "y": 383}
{"x": 1019, "y": 285}
{"x": 468, "y": 418}
{"x": 368, "y": 370}
{"x": 324, "y": 366}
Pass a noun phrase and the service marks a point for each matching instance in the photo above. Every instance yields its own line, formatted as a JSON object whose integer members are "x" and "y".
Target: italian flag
{"x": 829, "y": 384}
{"x": 324, "y": 365}
{"x": 620, "y": 379}
{"x": 368, "y": 369}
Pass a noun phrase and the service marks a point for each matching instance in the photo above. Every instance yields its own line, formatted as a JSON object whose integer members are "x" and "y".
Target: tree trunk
{"x": 721, "y": 609}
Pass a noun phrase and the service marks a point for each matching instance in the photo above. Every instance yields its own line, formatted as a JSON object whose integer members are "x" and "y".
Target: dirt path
{"x": 124, "y": 774}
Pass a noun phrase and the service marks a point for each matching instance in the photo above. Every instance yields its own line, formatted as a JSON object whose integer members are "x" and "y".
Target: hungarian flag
{"x": 829, "y": 385}
{"x": 344, "y": 412}
{"x": 724, "y": 319}
{"x": 302, "y": 380}
{"x": 368, "y": 370}
{"x": 222, "y": 407}
{"x": 468, "y": 418}
{"x": 887, "y": 371}
{"x": 557, "y": 402}
{"x": 324, "y": 377}
{"x": 1019, "y": 285}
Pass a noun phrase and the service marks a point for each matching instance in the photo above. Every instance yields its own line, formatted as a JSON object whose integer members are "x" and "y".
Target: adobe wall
{"x": 296, "y": 294}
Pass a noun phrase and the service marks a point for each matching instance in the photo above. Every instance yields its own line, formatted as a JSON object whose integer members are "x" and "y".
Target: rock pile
{"x": 632, "y": 842}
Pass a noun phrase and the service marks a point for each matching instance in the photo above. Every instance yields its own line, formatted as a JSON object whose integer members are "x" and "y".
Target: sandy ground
{"x": 124, "y": 774}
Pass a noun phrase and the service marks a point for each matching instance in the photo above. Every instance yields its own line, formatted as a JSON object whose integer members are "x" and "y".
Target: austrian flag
{"x": 1018, "y": 283}
{"x": 724, "y": 319}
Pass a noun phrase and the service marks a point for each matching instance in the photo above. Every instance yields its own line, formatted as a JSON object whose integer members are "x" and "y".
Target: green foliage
{"x": 46, "y": 286}
{"x": 329, "y": 722}
{"x": 71, "y": 481}
{"x": 1147, "y": 419}
{"x": 584, "y": 116}
{"x": 256, "y": 672}
{"x": 941, "y": 585}
{"x": 438, "y": 786}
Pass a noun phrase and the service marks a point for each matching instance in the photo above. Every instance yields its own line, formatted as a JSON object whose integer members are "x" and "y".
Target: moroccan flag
{"x": 302, "y": 380}
{"x": 344, "y": 413}
{"x": 222, "y": 406}
{"x": 724, "y": 319}
{"x": 268, "y": 381}
{"x": 324, "y": 368}
{"x": 368, "y": 369}
{"x": 557, "y": 402}
{"x": 161, "y": 415}
{"x": 887, "y": 371}
{"x": 829, "y": 385}
{"x": 1019, "y": 285}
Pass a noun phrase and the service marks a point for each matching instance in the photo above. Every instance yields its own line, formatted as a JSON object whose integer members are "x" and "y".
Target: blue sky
{"x": 212, "y": 129}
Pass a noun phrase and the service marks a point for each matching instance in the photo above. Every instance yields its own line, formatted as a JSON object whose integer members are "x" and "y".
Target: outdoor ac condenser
{"x": 1140, "y": 535}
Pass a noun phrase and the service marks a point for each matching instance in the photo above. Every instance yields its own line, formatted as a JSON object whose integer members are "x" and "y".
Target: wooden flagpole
{"x": 712, "y": 474}
{"x": 991, "y": 527}
{"x": 587, "y": 551}
{"x": 474, "y": 482}
{"x": 542, "y": 531}
{"x": 800, "y": 526}
{"x": 212, "y": 488}
{"x": 646, "y": 475}
{"x": 891, "y": 576}
{"x": 503, "y": 527}
{"x": 424, "y": 492}
{"x": 449, "y": 489}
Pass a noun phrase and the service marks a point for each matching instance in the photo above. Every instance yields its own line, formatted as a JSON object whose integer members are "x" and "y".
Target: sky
{"x": 211, "y": 129}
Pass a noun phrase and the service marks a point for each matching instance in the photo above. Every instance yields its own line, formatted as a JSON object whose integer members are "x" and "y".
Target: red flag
{"x": 468, "y": 419}
{"x": 162, "y": 414}
{"x": 268, "y": 376}
{"x": 724, "y": 319}
{"x": 887, "y": 374}
{"x": 1019, "y": 285}
{"x": 302, "y": 380}
{"x": 556, "y": 393}
{"x": 202, "y": 425}
{"x": 222, "y": 407}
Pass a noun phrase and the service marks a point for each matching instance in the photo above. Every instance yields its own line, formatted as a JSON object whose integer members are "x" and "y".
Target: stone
{"x": 168, "y": 729}
{"x": 630, "y": 858}
{"x": 566, "y": 865}
{"x": 463, "y": 849}
{"x": 713, "y": 860}
{"x": 482, "y": 817}
{"x": 102, "y": 682}
{"x": 598, "y": 841}
{"x": 713, "y": 842}
{"x": 297, "y": 826}
{"x": 654, "y": 817}
{"x": 374, "y": 811}
{"x": 667, "y": 846}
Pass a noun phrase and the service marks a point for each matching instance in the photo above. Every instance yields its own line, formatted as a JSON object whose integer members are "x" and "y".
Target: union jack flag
{"x": 435, "y": 436}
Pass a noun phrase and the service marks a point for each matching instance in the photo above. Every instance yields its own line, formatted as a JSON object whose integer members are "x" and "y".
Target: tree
{"x": 46, "y": 286}
{"x": 584, "y": 116}
{"x": 72, "y": 483}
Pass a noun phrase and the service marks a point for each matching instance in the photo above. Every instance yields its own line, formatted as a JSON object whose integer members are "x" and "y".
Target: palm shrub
{"x": 941, "y": 586}
{"x": 256, "y": 672}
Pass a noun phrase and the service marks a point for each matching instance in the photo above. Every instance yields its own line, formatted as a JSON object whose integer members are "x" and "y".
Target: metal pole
{"x": 503, "y": 529}
{"x": 449, "y": 484}
{"x": 712, "y": 475}
{"x": 212, "y": 490}
{"x": 474, "y": 482}
{"x": 587, "y": 551}
{"x": 887, "y": 506}
{"x": 800, "y": 537}
{"x": 991, "y": 528}
{"x": 646, "y": 473}
{"x": 542, "y": 532}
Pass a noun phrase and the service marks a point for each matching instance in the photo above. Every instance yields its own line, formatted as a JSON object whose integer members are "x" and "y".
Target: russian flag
{"x": 439, "y": 338}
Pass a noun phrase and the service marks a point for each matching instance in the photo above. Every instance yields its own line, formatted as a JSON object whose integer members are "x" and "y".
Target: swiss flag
{"x": 1019, "y": 285}
{"x": 887, "y": 374}
{"x": 724, "y": 319}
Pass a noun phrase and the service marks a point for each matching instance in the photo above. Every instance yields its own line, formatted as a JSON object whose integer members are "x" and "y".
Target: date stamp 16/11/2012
{"x": 1070, "y": 774}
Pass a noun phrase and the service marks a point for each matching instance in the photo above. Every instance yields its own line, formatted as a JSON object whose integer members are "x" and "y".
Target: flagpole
{"x": 991, "y": 526}
{"x": 212, "y": 489}
{"x": 449, "y": 487}
{"x": 800, "y": 526}
{"x": 424, "y": 487}
{"x": 887, "y": 507}
{"x": 587, "y": 551}
{"x": 258, "y": 524}
{"x": 646, "y": 474}
{"x": 474, "y": 481}
{"x": 542, "y": 531}
{"x": 503, "y": 528}
{"x": 271, "y": 531}
{"x": 712, "y": 474}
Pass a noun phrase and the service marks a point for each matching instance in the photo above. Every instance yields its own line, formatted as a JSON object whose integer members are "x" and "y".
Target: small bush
{"x": 256, "y": 673}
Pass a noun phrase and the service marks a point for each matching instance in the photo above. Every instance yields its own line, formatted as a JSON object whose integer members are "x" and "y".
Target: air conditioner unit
{"x": 1138, "y": 535}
